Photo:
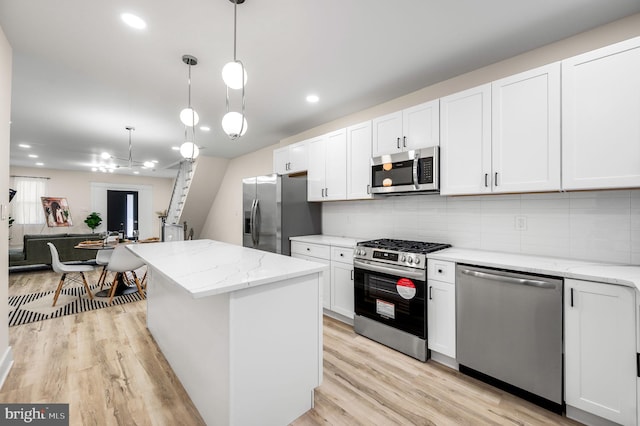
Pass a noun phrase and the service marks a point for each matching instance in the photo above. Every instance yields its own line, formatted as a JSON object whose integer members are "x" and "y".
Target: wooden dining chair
{"x": 121, "y": 262}
{"x": 66, "y": 269}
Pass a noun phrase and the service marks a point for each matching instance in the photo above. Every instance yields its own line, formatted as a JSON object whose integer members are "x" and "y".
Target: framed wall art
{"x": 56, "y": 211}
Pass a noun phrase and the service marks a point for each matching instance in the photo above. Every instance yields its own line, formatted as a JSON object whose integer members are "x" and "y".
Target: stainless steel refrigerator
{"x": 275, "y": 208}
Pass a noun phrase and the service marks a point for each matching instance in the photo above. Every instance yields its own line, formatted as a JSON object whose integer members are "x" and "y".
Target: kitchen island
{"x": 241, "y": 328}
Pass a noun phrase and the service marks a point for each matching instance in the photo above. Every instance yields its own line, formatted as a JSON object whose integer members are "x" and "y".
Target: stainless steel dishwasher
{"x": 509, "y": 328}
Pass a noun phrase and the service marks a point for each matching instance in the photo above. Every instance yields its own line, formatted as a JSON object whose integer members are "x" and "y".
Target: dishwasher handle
{"x": 509, "y": 280}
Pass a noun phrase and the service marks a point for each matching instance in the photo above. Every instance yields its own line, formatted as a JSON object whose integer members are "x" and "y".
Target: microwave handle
{"x": 416, "y": 165}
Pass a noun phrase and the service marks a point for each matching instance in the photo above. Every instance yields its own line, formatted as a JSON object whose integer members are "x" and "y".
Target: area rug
{"x": 32, "y": 307}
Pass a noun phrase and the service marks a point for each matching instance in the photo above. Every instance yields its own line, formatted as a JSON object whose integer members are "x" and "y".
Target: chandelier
{"x": 129, "y": 162}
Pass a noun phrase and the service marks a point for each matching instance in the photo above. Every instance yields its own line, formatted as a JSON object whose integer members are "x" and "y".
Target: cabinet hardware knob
{"x": 495, "y": 182}
{"x": 486, "y": 180}
{"x": 404, "y": 141}
{"x": 439, "y": 271}
{"x": 398, "y": 143}
{"x": 430, "y": 295}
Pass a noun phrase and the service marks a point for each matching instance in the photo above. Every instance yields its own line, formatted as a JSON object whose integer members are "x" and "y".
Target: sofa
{"x": 35, "y": 250}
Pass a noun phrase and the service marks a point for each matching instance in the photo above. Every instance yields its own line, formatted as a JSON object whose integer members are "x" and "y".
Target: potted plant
{"x": 93, "y": 220}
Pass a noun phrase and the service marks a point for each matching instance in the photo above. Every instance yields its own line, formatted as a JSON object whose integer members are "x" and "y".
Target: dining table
{"x": 122, "y": 287}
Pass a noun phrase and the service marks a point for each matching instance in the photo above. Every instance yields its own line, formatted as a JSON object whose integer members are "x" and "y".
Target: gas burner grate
{"x": 407, "y": 246}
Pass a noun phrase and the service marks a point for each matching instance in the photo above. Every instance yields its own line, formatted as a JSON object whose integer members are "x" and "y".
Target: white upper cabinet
{"x": 600, "y": 118}
{"x": 412, "y": 128}
{"x": 327, "y": 167}
{"x": 359, "y": 161}
{"x": 465, "y": 142}
{"x": 290, "y": 159}
{"x": 503, "y": 136}
{"x": 525, "y": 137}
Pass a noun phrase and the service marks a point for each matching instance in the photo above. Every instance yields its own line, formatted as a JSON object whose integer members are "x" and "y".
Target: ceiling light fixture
{"x": 312, "y": 99}
{"x": 234, "y": 76}
{"x": 130, "y": 162}
{"x": 189, "y": 117}
{"x": 24, "y": 145}
{"x": 133, "y": 21}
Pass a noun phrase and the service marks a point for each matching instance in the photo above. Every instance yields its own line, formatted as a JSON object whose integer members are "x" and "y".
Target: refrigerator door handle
{"x": 252, "y": 222}
{"x": 258, "y": 221}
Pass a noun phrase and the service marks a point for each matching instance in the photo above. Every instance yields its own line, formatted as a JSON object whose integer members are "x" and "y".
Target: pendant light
{"x": 234, "y": 76}
{"x": 189, "y": 118}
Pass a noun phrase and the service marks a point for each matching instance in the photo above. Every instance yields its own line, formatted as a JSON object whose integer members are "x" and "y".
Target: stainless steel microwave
{"x": 409, "y": 171}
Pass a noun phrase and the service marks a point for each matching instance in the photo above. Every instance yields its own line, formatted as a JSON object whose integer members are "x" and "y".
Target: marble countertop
{"x": 328, "y": 240}
{"x": 627, "y": 275}
{"x": 206, "y": 267}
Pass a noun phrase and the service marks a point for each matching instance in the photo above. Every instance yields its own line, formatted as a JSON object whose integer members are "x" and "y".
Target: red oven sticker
{"x": 406, "y": 288}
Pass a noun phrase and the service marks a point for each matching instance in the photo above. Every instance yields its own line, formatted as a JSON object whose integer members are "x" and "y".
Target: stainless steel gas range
{"x": 390, "y": 280}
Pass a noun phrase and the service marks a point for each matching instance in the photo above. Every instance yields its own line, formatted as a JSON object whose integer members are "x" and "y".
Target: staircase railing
{"x": 180, "y": 191}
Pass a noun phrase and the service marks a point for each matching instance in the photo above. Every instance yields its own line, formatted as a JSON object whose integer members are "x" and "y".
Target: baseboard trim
{"x": 5, "y": 365}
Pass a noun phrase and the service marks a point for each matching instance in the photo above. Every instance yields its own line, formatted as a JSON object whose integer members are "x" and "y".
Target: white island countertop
{"x": 610, "y": 273}
{"x": 206, "y": 267}
{"x": 327, "y": 240}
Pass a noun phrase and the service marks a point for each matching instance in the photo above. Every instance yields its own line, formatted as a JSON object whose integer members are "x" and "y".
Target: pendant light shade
{"x": 234, "y": 124}
{"x": 232, "y": 75}
{"x": 189, "y": 117}
{"x": 189, "y": 150}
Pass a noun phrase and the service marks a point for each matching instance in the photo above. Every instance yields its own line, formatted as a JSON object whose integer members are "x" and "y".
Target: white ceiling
{"x": 80, "y": 76}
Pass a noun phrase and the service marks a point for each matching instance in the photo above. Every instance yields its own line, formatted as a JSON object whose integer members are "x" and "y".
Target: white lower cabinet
{"x": 337, "y": 288}
{"x": 441, "y": 307}
{"x": 600, "y": 350}
{"x": 342, "y": 281}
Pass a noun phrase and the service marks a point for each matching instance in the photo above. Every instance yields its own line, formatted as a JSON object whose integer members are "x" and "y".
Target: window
{"x": 27, "y": 207}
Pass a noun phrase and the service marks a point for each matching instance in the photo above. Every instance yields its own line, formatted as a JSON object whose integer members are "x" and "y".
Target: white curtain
{"x": 27, "y": 206}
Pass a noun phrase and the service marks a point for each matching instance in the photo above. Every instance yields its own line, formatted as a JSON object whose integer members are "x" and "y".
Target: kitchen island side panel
{"x": 193, "y": 335}
{"x": 276, "y": 351}
{"x": 251, "y": 356}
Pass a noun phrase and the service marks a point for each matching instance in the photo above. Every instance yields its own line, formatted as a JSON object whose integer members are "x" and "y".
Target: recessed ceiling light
{"x": 39, "y": 164}
{"x": 105, "y": 155}
{"x": 175, "y": 148}
{"x": 136, "y": 172}
{"x": 133, "y": 21}
{"x": 33, "y": 156}
{"x": 94, "y": 169}
{"x": 24, "y": 145}
{"x": 312, "y": 99}
{"x": 204, "y": 129}
{"x": 149, "y": 164}
{"x": 155, "y": 161}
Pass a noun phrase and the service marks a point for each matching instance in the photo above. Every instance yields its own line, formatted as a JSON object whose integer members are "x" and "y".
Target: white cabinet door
{"x": 465, "y": 142}
{"x": 525, "y": 137}
{"x": 421, "y": 126}
{"x": 281, "y": 160}
{"x": 359, "y": 161}
{"x": 326, "y": 278}
{"x": 336, "y": 166}
{"x": 316, "y": 169}
{"x": 290, "y": 159}
{"x": 342, "y": 289}
{"x": 441, "y": 313}
{"x": 387, "y": 134}
{"x": 600, "y": 115}
{"x": 600, "y": 349}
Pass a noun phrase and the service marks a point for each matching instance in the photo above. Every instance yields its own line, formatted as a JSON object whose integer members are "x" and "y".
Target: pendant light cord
{"x": 235, "y": 25}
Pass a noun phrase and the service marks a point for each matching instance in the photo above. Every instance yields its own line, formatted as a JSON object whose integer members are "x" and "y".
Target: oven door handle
{"x": 384, "y": 269}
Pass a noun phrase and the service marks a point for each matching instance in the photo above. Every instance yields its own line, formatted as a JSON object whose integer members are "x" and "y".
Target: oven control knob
{"x": 417, "y": 260}
{"x": 362, "y": 252}
{"x": 410, "y": 260}
{"x": 403, "y": 258}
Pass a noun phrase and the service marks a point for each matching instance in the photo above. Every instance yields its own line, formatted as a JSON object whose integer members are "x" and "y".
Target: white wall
{"x": 76, "y": 187}
{"x": 585, "y": 225}
{"x": 592, "y": 225}
{"x": 6, "y": 357}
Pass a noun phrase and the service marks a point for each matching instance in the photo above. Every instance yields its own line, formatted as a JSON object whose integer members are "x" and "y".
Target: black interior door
{"x": 122, "y": 211}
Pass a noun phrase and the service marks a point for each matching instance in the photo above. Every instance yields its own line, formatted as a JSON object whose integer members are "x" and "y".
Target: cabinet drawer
{"x": 342, "y": 254}
{"x": 441, "y": 270}
{"x": 315, "y": 250}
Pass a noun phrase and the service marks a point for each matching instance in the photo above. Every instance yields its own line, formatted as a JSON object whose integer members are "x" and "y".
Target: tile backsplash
{"x": 593, "y": 225}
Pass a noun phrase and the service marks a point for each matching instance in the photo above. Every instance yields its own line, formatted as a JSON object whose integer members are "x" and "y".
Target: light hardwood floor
{"x": 106, "y": 365}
